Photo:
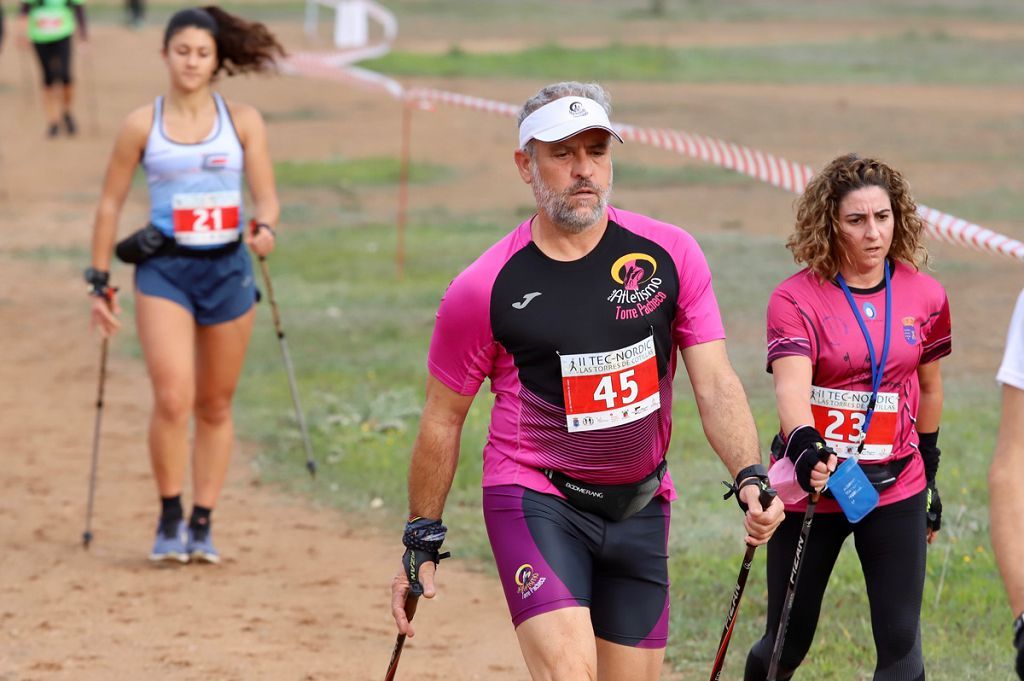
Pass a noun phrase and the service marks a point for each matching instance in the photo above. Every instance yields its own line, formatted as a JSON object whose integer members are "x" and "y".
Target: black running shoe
{"x": 53, "y": 130}
{"x": 69, "y": 124}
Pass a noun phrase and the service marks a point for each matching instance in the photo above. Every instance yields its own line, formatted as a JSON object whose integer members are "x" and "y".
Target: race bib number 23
{"x": 839, "y": 416}
{"x": 606, "y": 389}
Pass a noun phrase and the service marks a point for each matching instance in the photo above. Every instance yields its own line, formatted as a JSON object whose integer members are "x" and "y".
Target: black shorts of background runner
{"x": 55, "y": 59}
{"x": 891, "y": 543}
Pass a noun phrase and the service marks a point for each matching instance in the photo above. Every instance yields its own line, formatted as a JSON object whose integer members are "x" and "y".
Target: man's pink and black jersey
{"x": 542, "y": 330}
{"x": 812, "y": 318}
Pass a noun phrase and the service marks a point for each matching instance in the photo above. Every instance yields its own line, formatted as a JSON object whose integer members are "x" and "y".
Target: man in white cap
{"x": 576, "y": 317}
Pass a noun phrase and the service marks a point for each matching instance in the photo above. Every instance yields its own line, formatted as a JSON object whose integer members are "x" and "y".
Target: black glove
{"x": 1018, "y": 643}
{"x": 934, "y": 507}
{"x": 422, "y": 538}
{"x": 805, "y": 447}
{"x": 751, "y": 475}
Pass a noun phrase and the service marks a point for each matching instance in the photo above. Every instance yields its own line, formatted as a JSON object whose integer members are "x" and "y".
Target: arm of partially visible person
{"x": 1006, "y": 496}
{"x": 128, "y": 147}
{"x": 21, "y": 30}
{"x": 729, "y": 426}
{"x": 929, "y": 413}
{"x": 79, "y": 8}
{"x": 435, "y": 455}
{"x": 259, "y": 173}
{"x": 1006, "y": 508}
{"x": 792, "y": 377}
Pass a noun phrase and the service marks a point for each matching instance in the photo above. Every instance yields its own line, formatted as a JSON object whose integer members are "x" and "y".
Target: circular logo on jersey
{"x": 576, "y": 109}
{"x": 528, "y": 581}
{"x": 869, "y": 311}
{"x": 524, "y": 574}
{"x": 633, "y": 269}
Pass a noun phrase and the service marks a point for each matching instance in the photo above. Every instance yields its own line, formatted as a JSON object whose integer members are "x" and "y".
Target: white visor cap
{"x": 563, "y": 118}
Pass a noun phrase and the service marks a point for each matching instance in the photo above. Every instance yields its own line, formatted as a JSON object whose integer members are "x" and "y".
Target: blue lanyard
{"x": 877, "y": 370}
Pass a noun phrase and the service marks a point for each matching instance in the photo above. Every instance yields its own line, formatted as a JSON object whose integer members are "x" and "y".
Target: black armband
{"x": 928, "y": 445}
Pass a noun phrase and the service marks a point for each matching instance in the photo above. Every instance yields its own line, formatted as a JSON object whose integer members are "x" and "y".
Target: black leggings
{"x": 55, "y": 58}
{"x": 892, "y": 547}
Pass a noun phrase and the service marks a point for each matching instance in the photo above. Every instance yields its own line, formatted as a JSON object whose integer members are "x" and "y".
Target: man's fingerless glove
{"x": 751, "y": 475}
{"x": 422, "y": 539}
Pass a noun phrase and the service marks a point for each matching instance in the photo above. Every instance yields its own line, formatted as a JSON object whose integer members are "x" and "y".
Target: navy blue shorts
{"x": 213, "y": 290}
{"x": 551, "y": 555}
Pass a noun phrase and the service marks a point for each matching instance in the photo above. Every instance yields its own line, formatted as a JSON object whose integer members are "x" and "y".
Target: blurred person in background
{"x": 49, "y": 25}
{"x": 854, "y": 343}
{"x": 194, "y": 289}
{"x": 1005, "y": 475}
{"x": 135, "y": 12}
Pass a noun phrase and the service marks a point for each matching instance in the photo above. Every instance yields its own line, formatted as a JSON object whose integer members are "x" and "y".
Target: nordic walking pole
{"x": 87, "y": 534}
{"x": 415, "y": 591}
{"x": 794, "y": 575}
{"x": 289, "y": 369}
{"x": 765, "y": 499}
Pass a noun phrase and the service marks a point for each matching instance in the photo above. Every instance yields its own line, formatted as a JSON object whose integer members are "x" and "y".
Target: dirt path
{"x": 302, "y": 596}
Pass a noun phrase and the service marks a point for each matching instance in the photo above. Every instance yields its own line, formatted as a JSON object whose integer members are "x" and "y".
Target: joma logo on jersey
{"x": 215, "y": 161}
{"x": 528, "y": 581}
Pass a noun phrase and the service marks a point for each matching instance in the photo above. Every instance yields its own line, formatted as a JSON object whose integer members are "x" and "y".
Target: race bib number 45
{"x": 206, "y": 219}
{"x": 605, "y": 389}
{"x": 839, "y": 416}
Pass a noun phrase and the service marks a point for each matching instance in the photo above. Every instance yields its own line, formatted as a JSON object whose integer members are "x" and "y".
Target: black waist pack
{"x": 141, "y": 245}
{"x": 880, "y": 475}
{"x": 150, "y": 242}
{"x": 612, "y": 502}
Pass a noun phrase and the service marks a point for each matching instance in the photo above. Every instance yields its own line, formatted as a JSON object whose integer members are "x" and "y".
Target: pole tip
{"x": 86, "y": 539}
{"x": 311, "y": 467}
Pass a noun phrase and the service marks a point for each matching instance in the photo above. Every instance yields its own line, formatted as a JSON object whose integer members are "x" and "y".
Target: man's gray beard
{"x": 558, "y": 206}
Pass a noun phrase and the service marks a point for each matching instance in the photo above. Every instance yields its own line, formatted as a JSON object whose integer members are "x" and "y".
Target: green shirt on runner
{"x": 51, "y": 20}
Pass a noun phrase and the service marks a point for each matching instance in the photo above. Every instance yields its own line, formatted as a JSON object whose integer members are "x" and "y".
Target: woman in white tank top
{"x": 194, "y": 298}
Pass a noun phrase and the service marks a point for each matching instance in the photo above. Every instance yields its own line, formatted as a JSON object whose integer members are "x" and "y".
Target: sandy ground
{"x": 302, "y": 596}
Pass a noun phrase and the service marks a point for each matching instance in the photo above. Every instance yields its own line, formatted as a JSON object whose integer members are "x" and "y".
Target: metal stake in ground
{"x": 87, "y": 534}
{"x": 765, "y": 499}
{"x": 289, "y": 369}
{"x": 794, "y": 575}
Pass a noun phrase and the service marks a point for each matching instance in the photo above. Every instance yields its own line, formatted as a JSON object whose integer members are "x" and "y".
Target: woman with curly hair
{"x": 854, "y": 343}
{"x": 194, "y": 290}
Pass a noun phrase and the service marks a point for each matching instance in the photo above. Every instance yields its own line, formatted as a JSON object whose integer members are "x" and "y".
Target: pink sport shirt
{"x": 812, "y": 318}
{"x": 602, "y": 330}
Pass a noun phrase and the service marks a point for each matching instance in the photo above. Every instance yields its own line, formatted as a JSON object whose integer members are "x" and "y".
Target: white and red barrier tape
{"x": 762, "y": 166}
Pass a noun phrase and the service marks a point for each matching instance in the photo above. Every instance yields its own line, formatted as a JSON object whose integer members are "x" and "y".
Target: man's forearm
{"x": 728, "y": 423}
{"x": 432, "y": 469}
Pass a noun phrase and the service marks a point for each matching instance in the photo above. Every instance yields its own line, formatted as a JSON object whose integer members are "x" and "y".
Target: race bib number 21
{"x": 606, "y": 389}
{"x": 206, "y": 219}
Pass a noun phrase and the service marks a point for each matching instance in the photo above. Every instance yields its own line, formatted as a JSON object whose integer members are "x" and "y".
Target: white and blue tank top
{"x": 195, "y": 190}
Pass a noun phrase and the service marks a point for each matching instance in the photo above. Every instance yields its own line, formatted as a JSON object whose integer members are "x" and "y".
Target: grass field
{"x": 934, "y": 58}
{"x": 359, "y": 334}
{"x": 359, "y": 338}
